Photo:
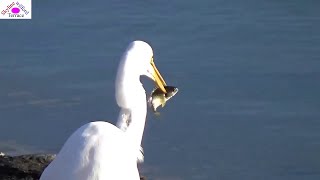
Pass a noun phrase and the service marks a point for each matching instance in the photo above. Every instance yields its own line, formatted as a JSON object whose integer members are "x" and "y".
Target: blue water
{"x": 248, "y": 74}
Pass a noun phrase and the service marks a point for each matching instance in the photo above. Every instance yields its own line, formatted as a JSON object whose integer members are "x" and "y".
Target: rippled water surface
{"x": 248, "y": 73}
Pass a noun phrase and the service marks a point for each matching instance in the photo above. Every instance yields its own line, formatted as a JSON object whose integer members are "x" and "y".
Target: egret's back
{"x": 96, "y": 151}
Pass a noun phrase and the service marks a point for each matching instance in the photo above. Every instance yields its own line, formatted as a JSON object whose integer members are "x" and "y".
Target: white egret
{"x": 100, "y": 150}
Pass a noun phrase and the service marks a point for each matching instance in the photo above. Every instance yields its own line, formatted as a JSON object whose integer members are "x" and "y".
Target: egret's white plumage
{"x": 100, "y": 150}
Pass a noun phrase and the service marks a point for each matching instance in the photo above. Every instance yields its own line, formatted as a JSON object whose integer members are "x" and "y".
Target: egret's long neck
{"x": 131, "y": 98}
{"x": 137, "y": 123}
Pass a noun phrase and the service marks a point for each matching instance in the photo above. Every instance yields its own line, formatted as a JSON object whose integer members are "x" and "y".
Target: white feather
{"x": 100, "y": 150}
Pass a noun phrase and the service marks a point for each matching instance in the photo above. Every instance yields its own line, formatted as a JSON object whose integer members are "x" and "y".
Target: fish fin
{"x": 163, "y": 104}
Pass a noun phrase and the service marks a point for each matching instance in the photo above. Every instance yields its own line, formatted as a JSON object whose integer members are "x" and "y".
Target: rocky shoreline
{"x": 25, "y": 167}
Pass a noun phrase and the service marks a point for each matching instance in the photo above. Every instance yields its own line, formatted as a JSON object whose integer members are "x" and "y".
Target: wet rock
{"x": 24, "y": 167}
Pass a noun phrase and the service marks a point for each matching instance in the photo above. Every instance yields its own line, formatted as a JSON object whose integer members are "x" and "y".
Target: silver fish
{"x": 158, "y": 97}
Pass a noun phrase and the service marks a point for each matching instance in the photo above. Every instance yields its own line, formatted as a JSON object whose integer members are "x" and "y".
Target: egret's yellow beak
{"x": 158, "y": 78}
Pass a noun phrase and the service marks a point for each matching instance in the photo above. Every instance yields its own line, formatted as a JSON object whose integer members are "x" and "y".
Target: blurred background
{"x": 248, "y": 74}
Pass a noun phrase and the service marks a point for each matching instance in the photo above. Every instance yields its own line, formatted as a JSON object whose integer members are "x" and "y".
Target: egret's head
{"x": 140, "y": 57}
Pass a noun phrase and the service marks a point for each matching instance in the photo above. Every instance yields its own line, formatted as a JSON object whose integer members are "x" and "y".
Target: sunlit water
{"x": 248, "y": 74}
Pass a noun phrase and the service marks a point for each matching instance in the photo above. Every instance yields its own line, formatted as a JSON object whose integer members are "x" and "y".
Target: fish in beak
{"x": 158, "y": 97}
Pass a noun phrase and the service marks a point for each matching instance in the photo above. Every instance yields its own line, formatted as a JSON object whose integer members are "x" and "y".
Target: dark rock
{"x": 24, "y": 167}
